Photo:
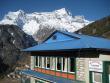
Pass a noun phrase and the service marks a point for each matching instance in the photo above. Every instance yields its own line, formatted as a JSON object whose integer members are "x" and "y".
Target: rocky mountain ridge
{"x": 12, "y": 40}
{"x": 99, "y": 28}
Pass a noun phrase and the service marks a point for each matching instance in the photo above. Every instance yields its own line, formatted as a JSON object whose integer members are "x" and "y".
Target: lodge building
{"x": 69, "y": 58}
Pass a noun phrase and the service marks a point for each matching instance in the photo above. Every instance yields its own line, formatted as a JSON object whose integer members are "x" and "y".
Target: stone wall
{"x": 32, "y": 62}
{"x": 80, "y": 69}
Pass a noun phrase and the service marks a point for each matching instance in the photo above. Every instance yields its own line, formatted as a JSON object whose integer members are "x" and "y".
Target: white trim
{"x": 65, "y": 64}
{"x": 68, "y": 60}
{"x": 40, "y": 61}
{"x": 43, "y": 66}
{"x": 53, "y": 63}
{"x": 72, "y": 72}
{"x": 62, "y": 64}
{"x": 32, "y": 62}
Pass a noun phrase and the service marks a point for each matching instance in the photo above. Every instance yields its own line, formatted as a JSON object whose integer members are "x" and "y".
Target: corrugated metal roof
{"x": 65, "y": 33}
{"x": 84, "y": 41}
{"x": 52, "y": 79}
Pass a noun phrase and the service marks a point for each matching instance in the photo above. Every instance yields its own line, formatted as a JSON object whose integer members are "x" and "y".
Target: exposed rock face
{"x": 12, "y": 39}
{"x": 43, "y": 33}
{"x": 31, "y": 22}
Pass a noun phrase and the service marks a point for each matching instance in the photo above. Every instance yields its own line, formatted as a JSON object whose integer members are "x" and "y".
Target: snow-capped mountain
{"x": 31, "y": 22}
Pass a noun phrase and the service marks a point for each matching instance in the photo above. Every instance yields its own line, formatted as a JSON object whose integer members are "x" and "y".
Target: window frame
{"x": 46, "y": 63}
{"x": 43, "y": 62}
{"x": 40, "y": 64}
{"x": 37, "y": 61}
{"x": 69, "y": 65}
{"x": 53, "y": 63}
{"x": 64, "y": 65}
{"x": 56, "y": 63}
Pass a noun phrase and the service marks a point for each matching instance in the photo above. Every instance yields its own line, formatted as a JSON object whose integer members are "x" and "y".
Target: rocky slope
{"x": 98, "y": 28}
{"x": 12, "y": 39}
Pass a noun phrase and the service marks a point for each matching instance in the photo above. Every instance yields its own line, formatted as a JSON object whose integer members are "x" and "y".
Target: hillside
{"x": 12, "y": 39}
{"x": 98, "y": 28}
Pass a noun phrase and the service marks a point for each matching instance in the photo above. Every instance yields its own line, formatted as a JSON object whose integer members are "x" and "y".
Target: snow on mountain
{"x": 59, "y": 19}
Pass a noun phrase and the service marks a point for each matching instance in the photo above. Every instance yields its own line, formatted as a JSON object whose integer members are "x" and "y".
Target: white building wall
{"x": 32, "y": 80}
{"x": 87, "y": 70}
{"x": 80, "y": 69}
{"x": 82, "y": 66}
{"x": 103, "y": 57}
{"x": 32, "y": 62}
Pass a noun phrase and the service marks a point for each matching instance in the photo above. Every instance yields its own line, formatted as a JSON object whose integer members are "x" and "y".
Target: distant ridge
{"x": 98, "y": 28}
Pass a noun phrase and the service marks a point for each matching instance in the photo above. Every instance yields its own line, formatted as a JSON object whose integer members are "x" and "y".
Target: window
{"x": 97, "y": 77}
{"x": 64, "y": 64}
{"x": 59, "y": 61}
{"x": 54, "y": 37}
{"x": 48, "y": 62}
{"x": 71, "y": 66}
{"x": 36, "y": 63}
{"x": 43, "y": 62}
{"x": 40, "y": 61}
{"x": 52, "y": 64}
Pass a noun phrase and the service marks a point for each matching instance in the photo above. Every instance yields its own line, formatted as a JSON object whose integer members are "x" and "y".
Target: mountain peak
{"x": 59, "y": 19}
{"x": 21, "y": 11}
{"x": 62, "y": 11}
{"x": 17, "y": 13}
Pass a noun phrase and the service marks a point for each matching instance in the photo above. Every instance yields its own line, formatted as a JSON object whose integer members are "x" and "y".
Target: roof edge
{"x": 59, "y": 32}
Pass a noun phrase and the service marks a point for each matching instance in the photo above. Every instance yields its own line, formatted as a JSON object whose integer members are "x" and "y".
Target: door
{"x": 106, "y": 76}
{"x": 95, "y": 77}
{"x": 109, "y": 73}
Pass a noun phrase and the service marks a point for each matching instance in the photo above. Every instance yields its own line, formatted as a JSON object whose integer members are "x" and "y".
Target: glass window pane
{"x": 40, "y": 61}
{"x": 72, "y": 65}
{"x": 43, "y": 62}
{"x": 58, "y": 63}
{"x": 36, "y": 60}
{"x": 97, "y": 77}
{"x": 65, "y": 64}
{"x": 48, "y": 62}
{"x": 52, "y": 60}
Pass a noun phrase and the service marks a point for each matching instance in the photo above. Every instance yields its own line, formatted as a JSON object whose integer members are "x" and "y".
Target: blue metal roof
{"x": 82, "y": 42}
{"x": 50, "y": 78}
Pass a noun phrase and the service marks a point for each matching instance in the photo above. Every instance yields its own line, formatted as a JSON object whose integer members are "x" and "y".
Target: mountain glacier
{"x": 31, "y": 22}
